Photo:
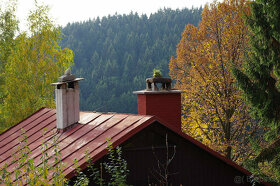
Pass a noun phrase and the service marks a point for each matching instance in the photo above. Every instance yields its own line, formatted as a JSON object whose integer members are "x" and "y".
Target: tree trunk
{"x": 228, "y": 152}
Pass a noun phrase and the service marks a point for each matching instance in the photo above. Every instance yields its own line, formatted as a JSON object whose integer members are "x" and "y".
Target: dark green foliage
{"x": 117, "y": 53}
{"x": 260, "y": 79}
{"x": 82, "y": 179}
{"x": 115, "y": 168}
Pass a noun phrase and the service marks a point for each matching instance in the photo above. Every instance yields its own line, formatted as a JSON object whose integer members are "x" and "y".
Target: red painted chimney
{"x": 165, "y": 103}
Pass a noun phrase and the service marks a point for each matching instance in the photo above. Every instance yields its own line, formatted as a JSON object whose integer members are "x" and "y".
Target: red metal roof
{"x": 90, "y": 134}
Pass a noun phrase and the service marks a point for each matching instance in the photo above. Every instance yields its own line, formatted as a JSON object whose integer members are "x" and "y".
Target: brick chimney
{"x": 163, "y": 102}
{"x": 67, "y": 95}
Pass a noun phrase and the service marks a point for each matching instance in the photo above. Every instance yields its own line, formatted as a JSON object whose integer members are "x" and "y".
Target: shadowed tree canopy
{"x": 259, "y": 80}
{"x": 115, "y": 54}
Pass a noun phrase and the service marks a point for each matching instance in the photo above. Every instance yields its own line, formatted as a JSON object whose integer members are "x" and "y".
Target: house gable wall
{"x": 191, "y": 165}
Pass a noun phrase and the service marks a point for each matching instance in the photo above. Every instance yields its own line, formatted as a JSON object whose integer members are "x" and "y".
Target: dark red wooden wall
{"x": 190, "y": 166}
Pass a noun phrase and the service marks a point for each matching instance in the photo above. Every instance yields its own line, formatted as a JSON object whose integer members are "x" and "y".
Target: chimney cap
{"x": 158, "y": 80}
{"x": 152, "y": 88}
{"x": 151, "y": 83}
{"x": 67, "y": 77}
{"x": 172, "y": 91}
{"x": 63, "y": 82}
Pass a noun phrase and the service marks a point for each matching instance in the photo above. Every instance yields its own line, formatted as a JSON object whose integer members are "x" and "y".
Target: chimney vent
{"x": 67, "y": 94}
{"x": 151, "y": 83}
{"x": 163, "y": 102}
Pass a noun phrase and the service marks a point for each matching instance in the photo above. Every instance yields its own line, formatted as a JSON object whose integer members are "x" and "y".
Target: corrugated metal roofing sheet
{"x": 90, "y": 134}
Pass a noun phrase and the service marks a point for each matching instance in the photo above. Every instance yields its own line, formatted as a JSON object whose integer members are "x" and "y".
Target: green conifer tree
{"x": 259, "y": 80}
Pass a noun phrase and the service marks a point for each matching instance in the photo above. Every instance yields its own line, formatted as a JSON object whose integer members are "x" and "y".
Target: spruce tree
{"x": 259, "y": 79}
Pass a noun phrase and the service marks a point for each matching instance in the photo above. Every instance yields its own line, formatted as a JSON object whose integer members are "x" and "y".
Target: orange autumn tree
{"x": 213, "y": 111}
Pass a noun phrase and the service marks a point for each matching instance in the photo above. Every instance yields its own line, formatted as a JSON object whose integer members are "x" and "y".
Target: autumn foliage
{"x": 213, "y": 111}
{"x": 33, "y": 61}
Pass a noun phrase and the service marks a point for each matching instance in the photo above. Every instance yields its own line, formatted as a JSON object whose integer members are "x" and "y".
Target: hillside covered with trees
{"x": 227, "y": 63}
{"x": 115, "y": 54}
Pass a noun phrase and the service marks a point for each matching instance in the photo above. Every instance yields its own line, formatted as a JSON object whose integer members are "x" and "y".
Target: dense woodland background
{"x": 115, "y": 54}
{"x": 228, "y": 67}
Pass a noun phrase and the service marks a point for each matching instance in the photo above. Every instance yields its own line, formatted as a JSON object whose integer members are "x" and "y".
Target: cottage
{"x": 142, "y": 136}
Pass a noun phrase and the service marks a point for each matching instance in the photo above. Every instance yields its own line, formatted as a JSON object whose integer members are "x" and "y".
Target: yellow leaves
{"x": 213, "y": 111}
{"x": 35, "y": 62}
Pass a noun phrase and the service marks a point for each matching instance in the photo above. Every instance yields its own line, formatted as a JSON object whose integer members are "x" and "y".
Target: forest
{"x": 224, "y": 56}
{"x": 115, "y": 54}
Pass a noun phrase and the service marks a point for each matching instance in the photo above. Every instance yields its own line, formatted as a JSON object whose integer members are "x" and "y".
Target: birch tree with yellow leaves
{"x": 35, "y": 61}
{"x": 213, "y": 110}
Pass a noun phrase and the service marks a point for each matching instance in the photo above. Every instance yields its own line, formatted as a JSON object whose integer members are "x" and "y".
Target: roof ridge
{"x": 116, "y": 113}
